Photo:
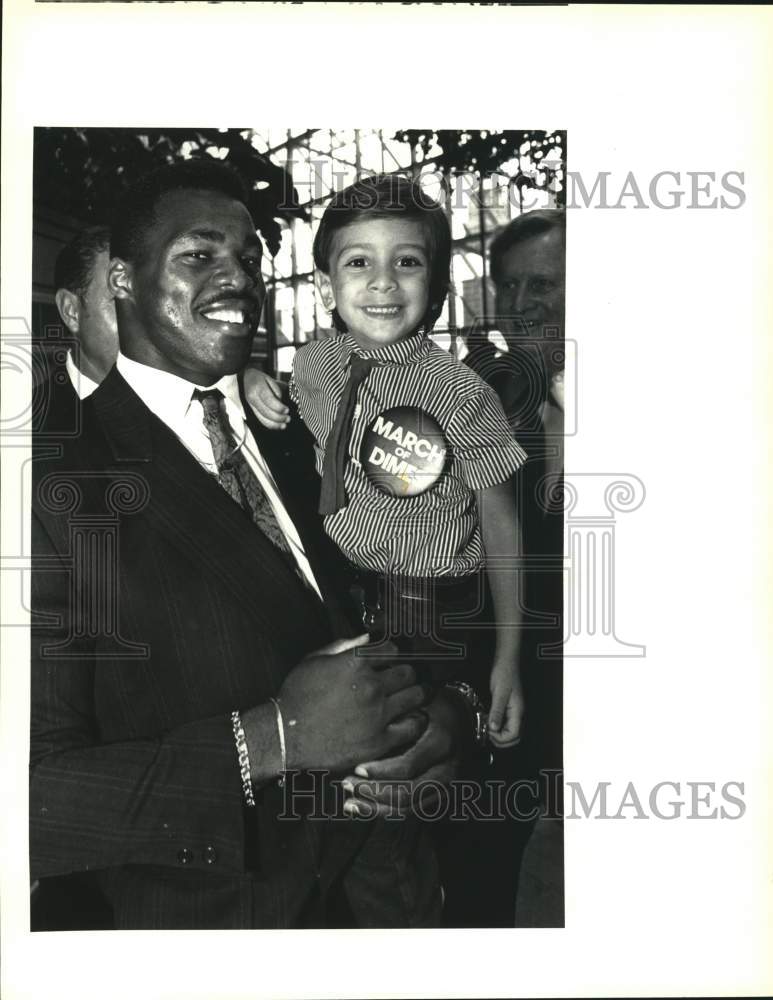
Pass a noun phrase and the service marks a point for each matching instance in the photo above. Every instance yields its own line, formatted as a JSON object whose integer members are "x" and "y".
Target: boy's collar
{"x": 401, "y": 352}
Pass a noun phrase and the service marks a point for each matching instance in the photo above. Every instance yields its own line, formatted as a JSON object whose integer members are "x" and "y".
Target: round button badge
{"x": 403, "y": 451}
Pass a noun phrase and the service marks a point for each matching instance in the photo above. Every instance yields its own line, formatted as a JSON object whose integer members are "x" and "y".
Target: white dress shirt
{"x": 83, "y": 385}
{"x": 169, "y": 397}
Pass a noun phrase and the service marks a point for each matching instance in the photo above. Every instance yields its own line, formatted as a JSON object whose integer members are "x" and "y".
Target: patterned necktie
{"x": 333, "y": 495}
{"x": 235, "y": 475}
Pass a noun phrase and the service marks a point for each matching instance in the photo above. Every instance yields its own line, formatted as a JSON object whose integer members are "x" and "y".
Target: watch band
{"x": 477, "y": 710}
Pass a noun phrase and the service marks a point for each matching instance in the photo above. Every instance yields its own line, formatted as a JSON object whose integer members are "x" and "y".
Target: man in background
{"x": 527, "y": 265}
{"x": 87, "y": 309}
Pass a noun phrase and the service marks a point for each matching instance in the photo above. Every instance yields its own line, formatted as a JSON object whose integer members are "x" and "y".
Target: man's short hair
{"x": 542, "y": 220}
{"x": 390, "y": 196}
{"x": 74, "y": 266}
{"x": 136, "y": 210}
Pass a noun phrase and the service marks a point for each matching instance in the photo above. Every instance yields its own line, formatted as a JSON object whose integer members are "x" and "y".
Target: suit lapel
{"x": 55, "y": 407}
{"x": 290, "y": 456}
{"x": 291, "y": 462}
{"x": 189, "y": 508}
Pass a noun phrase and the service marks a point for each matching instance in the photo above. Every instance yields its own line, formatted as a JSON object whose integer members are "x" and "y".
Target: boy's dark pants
{"x": 445, "y": 629}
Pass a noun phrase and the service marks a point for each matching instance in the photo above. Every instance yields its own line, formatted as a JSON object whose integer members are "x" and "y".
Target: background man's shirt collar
{"x": 83, "y": 385}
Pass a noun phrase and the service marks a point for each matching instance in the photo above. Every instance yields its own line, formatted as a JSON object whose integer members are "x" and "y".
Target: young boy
{"x": 414, "y": 451}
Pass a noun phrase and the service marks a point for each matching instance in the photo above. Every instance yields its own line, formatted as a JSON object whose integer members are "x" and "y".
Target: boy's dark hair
{"x": 74, "y": 266}
{"x": 541, "y": 220}
{"x": 391, "y": 196}
{"x": 135, "y": 212}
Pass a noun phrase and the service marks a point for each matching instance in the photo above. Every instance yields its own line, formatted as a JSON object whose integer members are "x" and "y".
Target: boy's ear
{"x": 119, "y": 279}
{"x": 69, "y": 306}
{"x": 325, "y": 289}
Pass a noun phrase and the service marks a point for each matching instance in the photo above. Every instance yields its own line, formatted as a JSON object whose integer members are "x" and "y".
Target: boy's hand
{"x": 507, "y": 706}
{"x": 264, "y": 394}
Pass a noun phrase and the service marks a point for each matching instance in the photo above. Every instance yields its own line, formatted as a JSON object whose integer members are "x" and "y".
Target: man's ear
{"x": 325, "y": 289}
{"x": 119, "y": 279}
{"x": 69, "y": 306}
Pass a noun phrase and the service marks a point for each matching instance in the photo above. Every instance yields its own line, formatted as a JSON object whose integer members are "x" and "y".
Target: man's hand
{"x": 340, "y": 708}
{"x": 387, "y": 787}
{"x": 264, "y": 394}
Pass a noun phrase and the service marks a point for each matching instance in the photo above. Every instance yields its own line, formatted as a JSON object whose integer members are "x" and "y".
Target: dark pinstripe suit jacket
{"x": 55, "y": 408}
{"x": 158, "y": 609}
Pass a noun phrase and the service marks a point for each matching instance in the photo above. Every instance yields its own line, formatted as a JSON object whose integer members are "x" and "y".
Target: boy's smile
{"x": 378, "y": 280}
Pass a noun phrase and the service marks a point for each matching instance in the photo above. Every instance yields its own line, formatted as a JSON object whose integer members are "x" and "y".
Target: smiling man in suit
{"x": 188, "y": 647}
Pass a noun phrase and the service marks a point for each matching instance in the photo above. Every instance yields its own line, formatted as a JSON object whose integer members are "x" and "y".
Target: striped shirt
{"x": 434, "y": 533}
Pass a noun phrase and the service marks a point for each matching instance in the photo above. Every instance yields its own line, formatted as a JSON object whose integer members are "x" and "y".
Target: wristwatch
{"x": 477, "y": 710}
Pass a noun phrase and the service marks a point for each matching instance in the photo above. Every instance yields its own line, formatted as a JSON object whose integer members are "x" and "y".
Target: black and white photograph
{"x": 385, "y": 590}
{"x": 383, "y": 318}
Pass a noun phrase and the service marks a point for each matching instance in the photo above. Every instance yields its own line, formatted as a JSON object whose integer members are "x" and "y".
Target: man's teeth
{"x": 226, "y": 315}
